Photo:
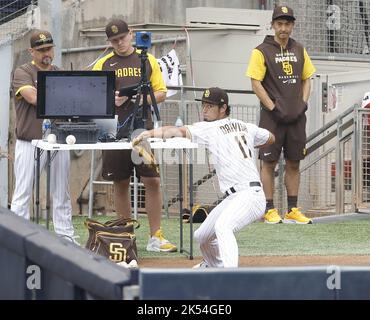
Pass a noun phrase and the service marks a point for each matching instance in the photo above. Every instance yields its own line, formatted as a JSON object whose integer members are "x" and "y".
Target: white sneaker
{"x": 158, "y": 243}
{"x": 201, "y": 265}
{"x": 133, "y": 264}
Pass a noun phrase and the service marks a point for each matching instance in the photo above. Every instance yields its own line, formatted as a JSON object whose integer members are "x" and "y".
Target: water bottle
{"x": 46, "y": 129}
{"x": 179, "y": 122}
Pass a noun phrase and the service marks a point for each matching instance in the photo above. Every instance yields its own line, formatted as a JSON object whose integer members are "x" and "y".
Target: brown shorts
{"x": 118, "y": 165}
{"x": 289, "y": 137}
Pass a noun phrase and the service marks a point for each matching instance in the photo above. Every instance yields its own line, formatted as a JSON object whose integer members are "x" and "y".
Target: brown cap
{"x": 283, "y": 12}
{"x": 41, "y": 39}
{"x": 116, "y": 28}
{"x": 215, "y": 96}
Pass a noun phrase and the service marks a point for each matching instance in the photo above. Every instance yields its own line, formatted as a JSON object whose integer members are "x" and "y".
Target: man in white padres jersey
{"x": 28, "y": 127}
{"x": 231, "y": 143}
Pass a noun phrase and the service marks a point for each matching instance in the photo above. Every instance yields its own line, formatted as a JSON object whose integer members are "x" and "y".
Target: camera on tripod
{"x": 139, "y": 116}
{"x": 143, "y": 39}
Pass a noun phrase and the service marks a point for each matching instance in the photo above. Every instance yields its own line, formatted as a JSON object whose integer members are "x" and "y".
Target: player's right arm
{"x": 163, "y": 132}
{"x": 23, "y": 86}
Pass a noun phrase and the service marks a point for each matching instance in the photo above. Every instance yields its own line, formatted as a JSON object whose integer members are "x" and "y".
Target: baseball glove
{"x": 142, "y": 147}
{"x": 199, "y": 212}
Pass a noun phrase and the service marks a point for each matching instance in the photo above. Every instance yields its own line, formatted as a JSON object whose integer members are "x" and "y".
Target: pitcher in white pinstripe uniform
{"x": 28, "y": 127}
{"x": 231, "y": 143}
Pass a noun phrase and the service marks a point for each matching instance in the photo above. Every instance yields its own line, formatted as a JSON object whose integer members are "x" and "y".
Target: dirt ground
{"x": 262, "y": 261}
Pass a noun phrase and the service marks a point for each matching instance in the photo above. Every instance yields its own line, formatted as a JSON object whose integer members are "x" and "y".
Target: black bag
{"x": 115, "y": 239}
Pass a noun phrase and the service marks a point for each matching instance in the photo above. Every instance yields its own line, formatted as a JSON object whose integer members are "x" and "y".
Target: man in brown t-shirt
{"x": 280, "y": 71}
{"x": 28, "y": 127}
{"x": 118, "y": 166}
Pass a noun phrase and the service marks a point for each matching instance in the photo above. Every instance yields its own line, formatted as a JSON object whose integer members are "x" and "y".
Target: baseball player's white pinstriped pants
{"x": 216, "y": 234}
{"x": 24, "y": 170}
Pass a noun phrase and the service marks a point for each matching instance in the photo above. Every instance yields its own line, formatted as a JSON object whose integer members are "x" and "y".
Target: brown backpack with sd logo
{"x": 114, "y": 239}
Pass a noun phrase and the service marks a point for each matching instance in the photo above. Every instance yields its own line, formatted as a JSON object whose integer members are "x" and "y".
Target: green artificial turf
{"x": 259, "y": 239}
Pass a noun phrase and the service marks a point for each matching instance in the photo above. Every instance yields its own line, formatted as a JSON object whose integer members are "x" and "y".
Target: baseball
{"x": 52, "y": 138}
{"x": 71, "y": 139}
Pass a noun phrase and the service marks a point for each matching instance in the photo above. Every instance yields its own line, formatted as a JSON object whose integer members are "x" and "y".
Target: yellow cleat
{"x": 272, "y": 217}
{"x": 158, "y": 243}
{"x": 296, "y": 216}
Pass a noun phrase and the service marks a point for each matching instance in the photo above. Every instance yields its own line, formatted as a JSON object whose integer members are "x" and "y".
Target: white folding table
{"x": 182, "y": 144}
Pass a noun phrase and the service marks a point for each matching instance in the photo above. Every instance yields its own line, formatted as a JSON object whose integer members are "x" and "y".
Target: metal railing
{"x": 326, "y": 173}
{"x": 362, "y": 159}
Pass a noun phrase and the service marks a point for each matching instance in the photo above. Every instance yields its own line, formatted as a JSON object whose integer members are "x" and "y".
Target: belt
{"x": 233, "y": 190}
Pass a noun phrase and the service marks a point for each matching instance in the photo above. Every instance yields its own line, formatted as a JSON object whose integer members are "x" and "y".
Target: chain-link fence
{"x": 328, "y": 173}
{"x": 318, "y": 186}
{"x": 332, "y": 27}
{"x": 16, "y": 17}
{"x": 364, "y": 158}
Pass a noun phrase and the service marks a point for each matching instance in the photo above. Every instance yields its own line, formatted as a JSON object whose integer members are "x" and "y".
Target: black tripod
{"x": 144, "y": 88}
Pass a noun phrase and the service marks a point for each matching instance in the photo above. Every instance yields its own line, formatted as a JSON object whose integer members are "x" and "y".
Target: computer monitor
{"x": 75, "y": 94}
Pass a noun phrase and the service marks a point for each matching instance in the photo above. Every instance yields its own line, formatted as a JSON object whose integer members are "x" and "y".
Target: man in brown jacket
{"x": 280, "y": 71}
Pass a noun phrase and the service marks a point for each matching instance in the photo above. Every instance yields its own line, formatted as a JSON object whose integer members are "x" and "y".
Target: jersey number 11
{"x": 243, "y": 145}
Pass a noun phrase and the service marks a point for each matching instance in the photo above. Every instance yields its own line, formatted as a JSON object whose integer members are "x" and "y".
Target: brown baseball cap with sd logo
{"x": 283, "y": 12}
{"x": 41, "y": 39}
{"x": 215, "y": 95}
{"x": 116, "y": 28}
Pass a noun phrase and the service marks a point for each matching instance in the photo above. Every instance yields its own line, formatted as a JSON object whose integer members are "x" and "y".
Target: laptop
{"x": 107, "y": 129}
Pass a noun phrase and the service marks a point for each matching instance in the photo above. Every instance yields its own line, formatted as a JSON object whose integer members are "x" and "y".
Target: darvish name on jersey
{"x": 233, "y": 127}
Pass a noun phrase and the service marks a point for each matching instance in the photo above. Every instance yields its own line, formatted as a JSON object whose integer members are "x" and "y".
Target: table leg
{"x": 48, "y": 164}
{"x": 38, "y": 155}
{"x": 181, "y": 203}
{"x": 136, "y": 195}
{"x": 91, "y": 183}
{"x": 191, "y": 201}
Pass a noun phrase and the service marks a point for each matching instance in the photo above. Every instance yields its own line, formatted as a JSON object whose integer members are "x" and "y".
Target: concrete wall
{"x": 89, "y": 14}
